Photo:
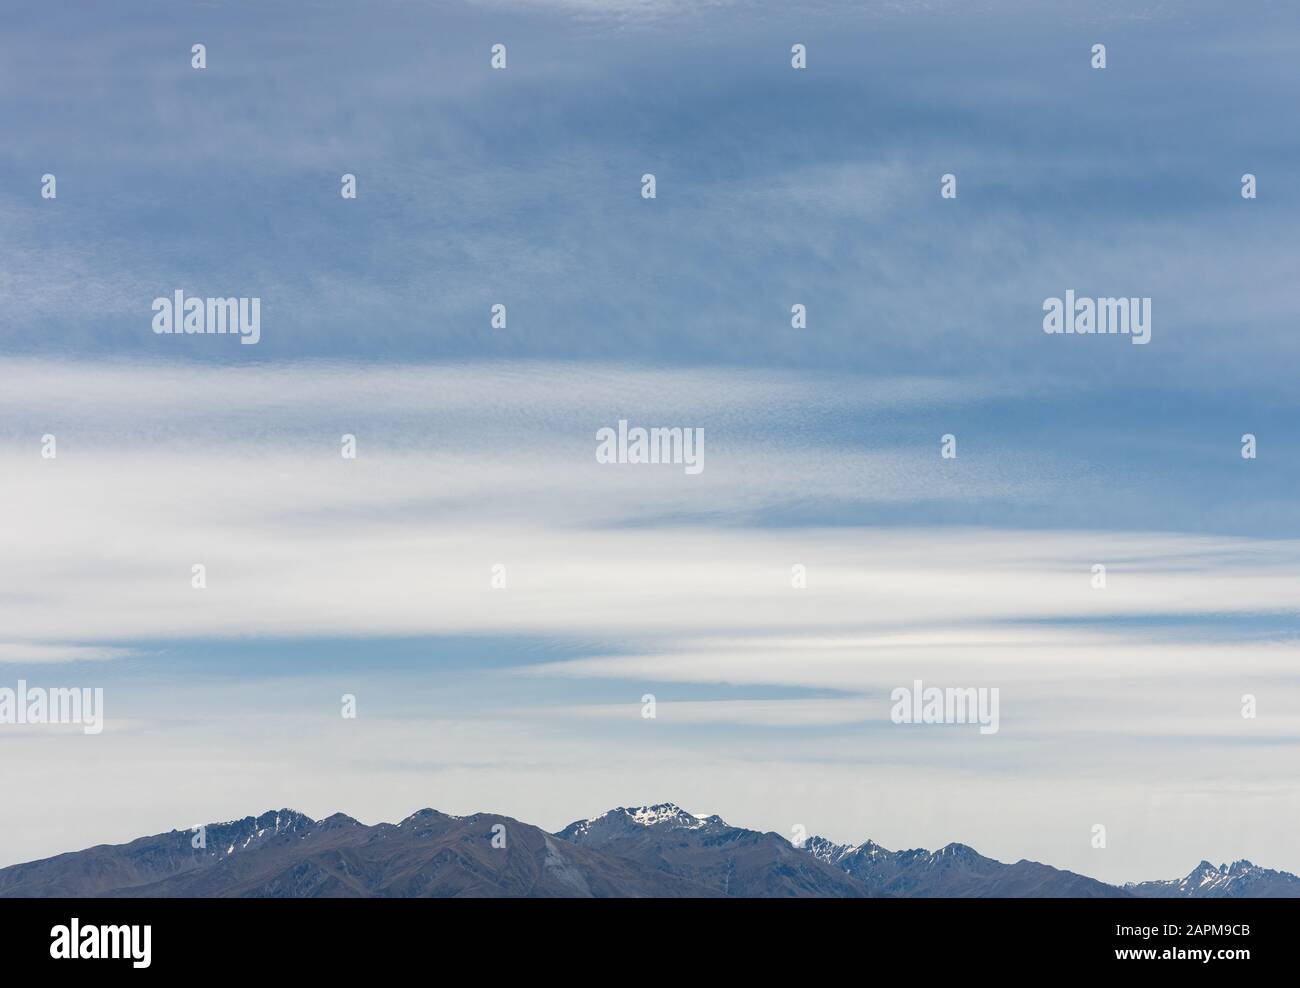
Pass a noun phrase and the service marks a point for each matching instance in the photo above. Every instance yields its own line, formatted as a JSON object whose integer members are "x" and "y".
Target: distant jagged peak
{"x": 829, "y": 851}
{"x": 273, "y": 821}
{"x": 826, "y": 850}
{"x": 658, "y": 816}
{"x": 667, "y": 814}
{"x": 335, "y": 820}
{"x": 283, "y": 819}
{"x": 227, "y": 837}
{"x": 1207, "y": 874}
{"x": 280, "y": 819}
{"x": 957, "y": 852}
{"x": 426, "y": 815}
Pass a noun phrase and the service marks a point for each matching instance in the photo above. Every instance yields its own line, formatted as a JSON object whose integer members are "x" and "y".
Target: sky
{"x": 1120, "y": 706}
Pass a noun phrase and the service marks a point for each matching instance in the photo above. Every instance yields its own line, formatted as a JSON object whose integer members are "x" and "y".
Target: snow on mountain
{"x": 668, "y": 816}
{"x": 954, "y": 870}
{"x": 1238, "y": 880}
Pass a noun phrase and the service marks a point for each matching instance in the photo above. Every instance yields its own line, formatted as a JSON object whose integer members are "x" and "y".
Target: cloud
{"x": 29, "y": 653}
{"x": 462, "y": 468}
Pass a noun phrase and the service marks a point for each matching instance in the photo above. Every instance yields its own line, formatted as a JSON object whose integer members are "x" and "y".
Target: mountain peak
{"x": 1240, "y": 879}
{"x": 665, "y": 814}
{"x": 273, "y": 820}
{"x": 623, "y": 819}
{"x": 338, "y": 820}
{"x": 425, "y": 815}
{"x": 833, "y": 853}
{"x": 283, "y": 819}
{"x": 958, "y": 852}
{"x": 826, "y": 850}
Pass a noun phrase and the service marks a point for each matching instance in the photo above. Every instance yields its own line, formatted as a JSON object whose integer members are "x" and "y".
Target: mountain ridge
{"x": 656, "y": 850}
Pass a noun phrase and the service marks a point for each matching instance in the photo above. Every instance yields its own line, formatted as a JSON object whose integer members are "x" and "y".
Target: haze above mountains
{"x": 648, "y": 851}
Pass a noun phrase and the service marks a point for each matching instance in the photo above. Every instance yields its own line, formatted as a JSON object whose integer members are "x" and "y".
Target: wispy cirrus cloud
{"x": 461, "y": 468}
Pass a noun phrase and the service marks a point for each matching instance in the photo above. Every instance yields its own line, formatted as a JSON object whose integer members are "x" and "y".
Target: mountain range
{"x": 658, "y": 851}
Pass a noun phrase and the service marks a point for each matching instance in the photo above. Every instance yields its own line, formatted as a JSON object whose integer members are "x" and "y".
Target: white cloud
{"x": 461, "y": 468}
{"x": 32, "y": 653}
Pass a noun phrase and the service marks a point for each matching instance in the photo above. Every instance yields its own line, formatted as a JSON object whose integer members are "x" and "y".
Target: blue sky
{"x": 774, "y": 187}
